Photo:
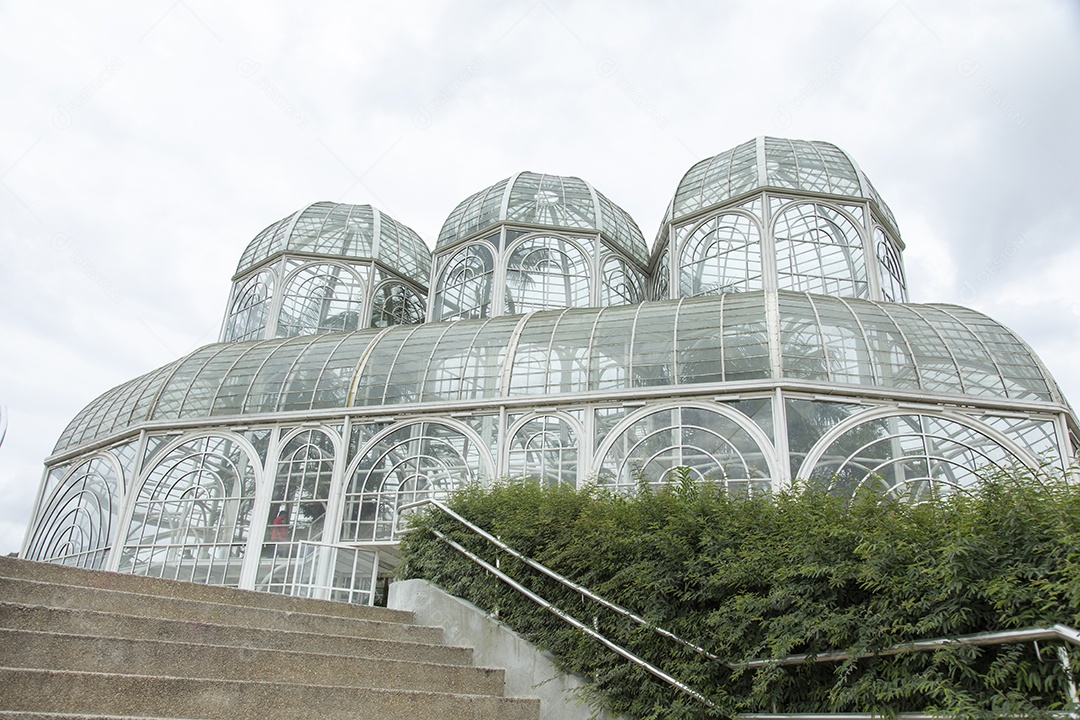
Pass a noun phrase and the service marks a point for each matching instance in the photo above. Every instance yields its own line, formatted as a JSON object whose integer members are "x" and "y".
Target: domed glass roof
{"x": 806, "y": 165}
{"x": 549, "y": 200}
{"x": 940, "y": 349}
{"x": 349, "y": 231}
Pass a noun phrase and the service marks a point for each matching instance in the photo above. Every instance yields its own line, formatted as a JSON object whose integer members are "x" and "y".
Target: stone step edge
{"x": 241, "y": 628}
{"x": 127, "y": 595}
{"x": 283, "y": 686}
{"x": 16, "y": 714}
{"x": 295, "y": 654}
{"x": 165, "y": 587}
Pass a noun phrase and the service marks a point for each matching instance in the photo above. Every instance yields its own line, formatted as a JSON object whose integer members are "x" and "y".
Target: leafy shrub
{"x": 766, "y": 576}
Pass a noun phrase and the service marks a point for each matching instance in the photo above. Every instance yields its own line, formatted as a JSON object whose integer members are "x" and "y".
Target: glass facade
{"x": 766, "y": 338}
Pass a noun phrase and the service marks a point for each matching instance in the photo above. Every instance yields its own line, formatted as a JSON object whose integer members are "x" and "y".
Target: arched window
{"x": 722, "y": 255}
{"x": 396, "y": 304}
{"x": 819, "y": 250}
{"x": 546, "y": 273}
{"x": 298, "y": 504}
{"x": 544, "y": 448}
{"x": 464, "y": 287}
{"x": 911, "y": 457}
{"x": 715, "y": 448}
{"x": 622, "y": 285}
{"x": 192, "y": 514}
{"x": 320, "y": 299}
{"x": 893, "y": 284}
{"x": 412, "y": 462}
{"x": 250, "y": 309}
{"x": 75, "y": 523}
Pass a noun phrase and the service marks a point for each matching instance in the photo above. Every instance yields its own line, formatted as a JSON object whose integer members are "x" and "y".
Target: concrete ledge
{"x": 530, "y": 672}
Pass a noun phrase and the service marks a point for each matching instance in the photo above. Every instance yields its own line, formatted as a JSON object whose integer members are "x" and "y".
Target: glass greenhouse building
{"x": 767, "y": 336}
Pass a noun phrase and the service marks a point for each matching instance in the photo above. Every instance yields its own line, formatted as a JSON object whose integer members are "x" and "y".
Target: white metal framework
{"x": 777, "y": 345}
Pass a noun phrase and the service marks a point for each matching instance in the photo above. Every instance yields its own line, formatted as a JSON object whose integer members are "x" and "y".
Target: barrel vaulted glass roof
{"x": 551, "y": 200}
{"x": 350, "y": 231}
{"x": 806, "y": 165}
{"x": 940, "y": 349}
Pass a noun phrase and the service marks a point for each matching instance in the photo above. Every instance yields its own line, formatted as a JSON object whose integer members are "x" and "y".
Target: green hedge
{"x": 771, "y": 575}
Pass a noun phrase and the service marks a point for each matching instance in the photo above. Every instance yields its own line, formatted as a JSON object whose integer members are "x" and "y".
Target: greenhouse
{"x": 766, "y": 338}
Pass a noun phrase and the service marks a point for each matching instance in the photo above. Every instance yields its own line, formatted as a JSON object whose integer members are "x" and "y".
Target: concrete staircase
{"x": 87, "y": 644}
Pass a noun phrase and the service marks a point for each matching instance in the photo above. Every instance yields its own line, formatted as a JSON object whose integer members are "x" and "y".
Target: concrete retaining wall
{"x": 530, "y": 672}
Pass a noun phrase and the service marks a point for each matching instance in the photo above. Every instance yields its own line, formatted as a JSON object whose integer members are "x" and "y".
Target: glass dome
{"x": 804, "y": 165}
{"x": 343, "y": 231}
{"x": 552, "y": 201}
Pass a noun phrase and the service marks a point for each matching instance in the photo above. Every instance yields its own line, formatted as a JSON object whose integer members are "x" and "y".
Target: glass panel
{"x": 319, "y": 299}
{"x": 722, "y": 255}
{"x": 297, "y": 511}
{"x": 396, "y": 304}
{"x": 714, "y": 447}
{"x": 75, "y": 525}
{"x": 807, "y": 422}
{"x": 544, "y": 273}
{"x": 250, "y": 309}
{"x": 192, "y": 514}
{"x": 464, "y": 286}
{"x": 411, "y": 463}
{"x": 1036, "y": 435}
{"x": 893, "y": 283}
{"x": 621, "y": 284}
{"x": 819, "y": 250}
{"x": 544, "y": 448}
{"x": 911, "y": 457}
{"x": 746, "y": 337}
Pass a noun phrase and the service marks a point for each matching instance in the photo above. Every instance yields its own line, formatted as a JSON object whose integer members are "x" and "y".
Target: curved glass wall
{"x": 320, "y": 298}
{"x": 544, "y": 448}
{"x": 944, "y": 350}
{"x": 722, "y": 255}
{"x": 465, "y": 285}
{"x": 299, "y": 501}
{"x": 819, "y": 250}
{"x": 75, "y": 524}
{"x": 715, "y": 448}
{"x": 192, "y": 513}
{"x": 250, "y": 309}
{"x": 414, "y": 462}
{"x": 910, "y": 457}
{"x": 396, "y": 304}
{"x": 546, "y": 273}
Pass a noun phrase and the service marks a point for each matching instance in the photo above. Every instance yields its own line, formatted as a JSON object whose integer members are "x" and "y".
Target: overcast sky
{"x": 142, "y": 145}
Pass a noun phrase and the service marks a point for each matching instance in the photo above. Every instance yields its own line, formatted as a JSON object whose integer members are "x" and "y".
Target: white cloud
{"x": 155, "y": 140}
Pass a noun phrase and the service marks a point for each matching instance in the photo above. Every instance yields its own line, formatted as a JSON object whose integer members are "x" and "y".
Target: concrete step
{"x": 77, "y": 577}
{"x": 21, "y": 715}
{"x": 56, "y": 651}
{"x": 52, "y": 691}
{"x": 117, "y": 625}
{"x": 32, "y": 592}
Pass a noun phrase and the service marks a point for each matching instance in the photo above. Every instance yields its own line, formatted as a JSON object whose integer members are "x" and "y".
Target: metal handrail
{"x": 560, "y": 578}
{"x": 999, "y": 637}
{"x": 566, "y": 617}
